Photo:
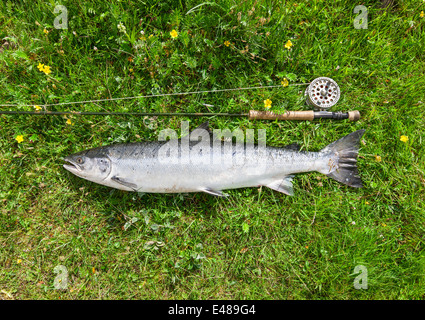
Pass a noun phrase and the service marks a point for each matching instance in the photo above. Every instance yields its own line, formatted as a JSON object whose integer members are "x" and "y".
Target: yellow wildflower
{"x": 378, "y": 158}
{"x": 404, "y": 138}
{"x": 174, "y": 34}
{"x": 422, "y": 14}
{"x": 285, "y": 82}
{"x": 45, "y": 31}
{"x": 367, "y": 202}
{"x": 19, "y": 261}
{"x": 38, "y": 108}
{"x": 288, "y": 44}
{"x": 267, "y": 103}
{"x": 131, "y": 70}
{"x": 68, "y": 121}
{"x": 226, "y": 43}
{"x": 19, "y": 138}
{"x": 46, "y": 70}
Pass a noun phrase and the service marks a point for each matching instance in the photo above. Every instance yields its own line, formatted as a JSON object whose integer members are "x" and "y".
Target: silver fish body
{"x": 202, "y": 163}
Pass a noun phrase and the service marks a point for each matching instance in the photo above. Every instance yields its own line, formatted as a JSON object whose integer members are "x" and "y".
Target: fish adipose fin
{"x": 216, "y": 193}
{"x": 125, "y": 183}
{"x": 346, "y": 151}
{"x": 282, "y": 185}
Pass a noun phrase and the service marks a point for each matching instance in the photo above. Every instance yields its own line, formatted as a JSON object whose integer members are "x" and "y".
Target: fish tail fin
{"x": 344, "y": 154}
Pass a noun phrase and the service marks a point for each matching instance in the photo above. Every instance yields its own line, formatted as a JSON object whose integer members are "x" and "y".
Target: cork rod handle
{"x": 287, "y": 115}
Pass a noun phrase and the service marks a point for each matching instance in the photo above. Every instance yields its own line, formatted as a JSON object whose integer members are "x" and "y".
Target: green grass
{"x": 257, "y": 243}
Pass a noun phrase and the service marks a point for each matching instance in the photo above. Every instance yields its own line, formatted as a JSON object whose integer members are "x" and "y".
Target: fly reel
{"x": 322, "y": 93}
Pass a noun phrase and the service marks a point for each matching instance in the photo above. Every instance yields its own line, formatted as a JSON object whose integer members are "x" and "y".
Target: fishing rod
{"x": 322, "y": 93}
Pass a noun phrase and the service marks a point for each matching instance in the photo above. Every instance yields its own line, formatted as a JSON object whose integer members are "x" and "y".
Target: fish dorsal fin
{"x": 282, "y": 185}
{"x": 201, "y": 133}
{"x": 293, "y": 146}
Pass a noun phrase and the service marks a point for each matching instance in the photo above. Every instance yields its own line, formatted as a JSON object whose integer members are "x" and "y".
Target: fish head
{"x": 90, "y": 164}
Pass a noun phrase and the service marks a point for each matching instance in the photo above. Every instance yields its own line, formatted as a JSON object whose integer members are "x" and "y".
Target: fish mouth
{"x": 72, "y": 166}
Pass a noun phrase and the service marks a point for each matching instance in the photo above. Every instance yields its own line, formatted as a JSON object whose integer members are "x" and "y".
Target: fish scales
{"x": 201, "y": 163}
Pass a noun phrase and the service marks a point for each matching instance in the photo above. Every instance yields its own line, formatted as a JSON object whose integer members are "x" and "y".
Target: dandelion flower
{"x": 19, "y": 261}
{"x": 404, "y": 138}
{"x": 226, "y": 43}
{"x": 174, "y": 34}
{"x": 288, "y": 44}
{"x": 378, "y": 158}
{"x": 422, "y": 14}
{"x": 19, "y": 138}
{"x": 267, "y": 103}
{"x": 285, "y": 82}
{"x": 38, "y": 108}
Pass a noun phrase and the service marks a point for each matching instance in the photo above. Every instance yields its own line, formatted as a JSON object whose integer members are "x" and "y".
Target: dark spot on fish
{"x": 103, "y": 165}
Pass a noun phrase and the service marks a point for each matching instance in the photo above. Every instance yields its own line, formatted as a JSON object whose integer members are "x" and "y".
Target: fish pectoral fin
{"x": 216, "y": 193}
{"x": 125, "y": 183}
{"x": 282, "y": 185}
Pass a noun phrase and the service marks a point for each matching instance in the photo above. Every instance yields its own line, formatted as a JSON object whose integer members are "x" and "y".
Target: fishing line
{"x": 149, "y": 96}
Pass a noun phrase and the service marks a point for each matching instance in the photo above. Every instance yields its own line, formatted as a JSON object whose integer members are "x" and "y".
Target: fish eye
{"x": 79, "y": 160}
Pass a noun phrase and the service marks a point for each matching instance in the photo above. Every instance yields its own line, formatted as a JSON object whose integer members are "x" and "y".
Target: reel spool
{"x": 322, "y": 93}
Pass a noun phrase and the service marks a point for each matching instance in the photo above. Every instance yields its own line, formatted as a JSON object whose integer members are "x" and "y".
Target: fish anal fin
{"x": 125, "y": 183}
{"x": 282, "y": 185}
{"x": 216, "y": 193}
